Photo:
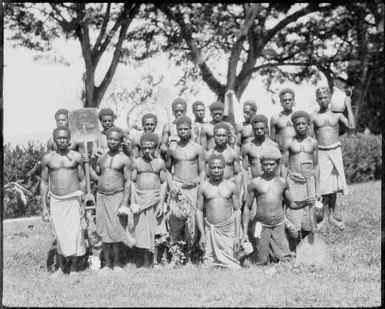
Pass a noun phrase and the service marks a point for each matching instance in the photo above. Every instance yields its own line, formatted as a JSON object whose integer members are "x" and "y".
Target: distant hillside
{"x": 23, "y": 139}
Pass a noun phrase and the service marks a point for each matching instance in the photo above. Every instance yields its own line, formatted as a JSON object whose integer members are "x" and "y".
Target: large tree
{"x": 282, "y": 41}
{"x": 98, "y": 27}
{"x": 254, "y": 37}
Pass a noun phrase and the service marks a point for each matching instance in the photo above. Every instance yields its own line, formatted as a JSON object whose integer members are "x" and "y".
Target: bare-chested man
{"x": 207, "y": 133}
{"x": 106, "y": 118}
{"x": 299, "y": 153}
{"x": 148, "y": 187}
{"x": 245, "y": 129}
{"x": 332, "y": 176}
{"x": 149, "y": 123}
{"x": 199, "y": 111}
{"x": 61, "y": 117}
{"x": 63, "y": 170}
{"x": 232, "y": 169}
{"x": 220, "y": 231}
{"x": 113, "y": 174}
{"x": 251, "y": 150}
{"x": 187, "y": 159}
{"x": 281, "y": 127}
{"x": 269, "y": 190}
{"x": 179, "y": 108}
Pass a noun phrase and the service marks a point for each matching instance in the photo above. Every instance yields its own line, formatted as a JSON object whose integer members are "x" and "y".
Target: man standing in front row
{"x": 113, "y": 173}
{"x": 269, "y": 190}
{"x": 332, "y": 176}
{"x": 220, "y": 230}
{"x": 149, "y": 186}
{"x": 63, "y": 170}
{"x": 298, "y": 153}
{"x": 189, "y": 171}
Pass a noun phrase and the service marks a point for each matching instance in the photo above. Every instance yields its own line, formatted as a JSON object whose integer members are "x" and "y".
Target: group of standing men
{"x": 200, "y": 182}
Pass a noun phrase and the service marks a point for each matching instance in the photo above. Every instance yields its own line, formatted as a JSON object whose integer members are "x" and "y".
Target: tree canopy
{"x": 224, "y": 44}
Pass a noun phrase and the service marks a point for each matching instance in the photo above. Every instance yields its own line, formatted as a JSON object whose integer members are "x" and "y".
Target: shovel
{"x": 84, "y": 126}
{"x": 312, "y": 249}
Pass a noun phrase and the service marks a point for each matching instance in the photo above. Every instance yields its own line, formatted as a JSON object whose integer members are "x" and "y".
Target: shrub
{"x": 362, "y": 154}
{"x": 22, "y": 166}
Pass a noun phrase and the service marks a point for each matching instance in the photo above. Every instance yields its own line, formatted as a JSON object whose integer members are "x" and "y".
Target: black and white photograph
{"x": 192, "y": 154}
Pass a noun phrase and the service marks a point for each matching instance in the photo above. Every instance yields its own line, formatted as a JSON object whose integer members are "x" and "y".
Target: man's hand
{"x": 245, "y": 237}
{"x": 236, "y": 244}
{"x": 348, "y": 102}
{"x": 165, "y": 208}
{"x": 85, "y": 158}
{"x": 123, "y": 210}
{"x": 310, "y": 201}
{"x": 229, "y": 93}
{"x": 174, "y": 138}
{"x": 202, "y": 242}
{"x": 159, "y": 210}
{"x": 82, "y": 210}
{"x": 45, "y": 214}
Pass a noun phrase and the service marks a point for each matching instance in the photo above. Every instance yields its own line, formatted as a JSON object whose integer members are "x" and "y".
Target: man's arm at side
{"x": 201, "y": 164}
{"x": 127, "y": 177}
{"x": 246, "y": 211}
{"x": 44, "y": 186}
{"x": 237, "y": 217}
{"x": 163, "y": 189}
{"x": 199, "y": 216}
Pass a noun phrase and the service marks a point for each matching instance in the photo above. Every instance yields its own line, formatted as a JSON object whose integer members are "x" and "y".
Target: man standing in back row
{"x": 332, "y": 176}
{"x": 281, "y": 126}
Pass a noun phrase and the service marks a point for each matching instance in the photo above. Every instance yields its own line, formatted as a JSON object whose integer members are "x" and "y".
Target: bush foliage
{"x": 362, "y": 155}
{"x": 22, "y": 166}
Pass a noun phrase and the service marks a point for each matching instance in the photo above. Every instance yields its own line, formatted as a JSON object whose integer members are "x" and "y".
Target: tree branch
{"x": 101, "y": 89}
{"x": 312, "y": 7}
{"x": 103, "y": 28}
{"x": 196, "y": 53}
{"x": 120, "y": 20}
{"x": 251, "y": 14}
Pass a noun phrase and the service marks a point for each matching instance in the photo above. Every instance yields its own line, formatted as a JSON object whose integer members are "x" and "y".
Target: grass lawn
{"x": 354, "y": 279}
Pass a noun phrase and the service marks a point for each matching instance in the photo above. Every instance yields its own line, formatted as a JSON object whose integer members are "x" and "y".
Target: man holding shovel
{"x": 269, "y": 190}
{"x": 62, "y": 179}
{"x": 299, "y": 151}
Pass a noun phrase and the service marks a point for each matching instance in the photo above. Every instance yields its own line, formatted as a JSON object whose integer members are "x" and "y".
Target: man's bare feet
{"x": 322, "y": 226}
{"x": 337, "y": 218}
{"x": 74, "y": 274}
{"x": 57, "y": 274}
{"x": 337, "y": 223}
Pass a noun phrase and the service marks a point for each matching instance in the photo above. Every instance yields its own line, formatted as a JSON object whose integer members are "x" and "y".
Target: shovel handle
{"x": 311, "y": 213}
{"x": 86, "y": 165}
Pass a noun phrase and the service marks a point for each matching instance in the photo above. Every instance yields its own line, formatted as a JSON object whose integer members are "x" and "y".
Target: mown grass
{"x": 353, "y": 280}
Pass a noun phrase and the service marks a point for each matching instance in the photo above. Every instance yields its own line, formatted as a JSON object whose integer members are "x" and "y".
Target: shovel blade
{"x": 312, "y": 251}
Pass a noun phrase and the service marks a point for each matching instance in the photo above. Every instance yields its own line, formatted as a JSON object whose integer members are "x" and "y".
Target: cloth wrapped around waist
{"x": 65, "y": 215}
{"x": 183, "y": 197}
{"x": 145, "y": 199}
{"x": 220, "y": 244}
